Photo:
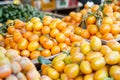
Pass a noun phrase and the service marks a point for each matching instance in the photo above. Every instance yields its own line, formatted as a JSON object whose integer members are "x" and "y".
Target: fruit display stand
{"x": 83, "y": 45}
{"x": 54, "y": 15}
{"x": 86, "y": 67}
{"x": 33, "y": 50}
{"x": 105, "y": 41}
{"x": 82, "y": 63}
{"x": 35, "y": 61}
{"x": 38, "y": 64}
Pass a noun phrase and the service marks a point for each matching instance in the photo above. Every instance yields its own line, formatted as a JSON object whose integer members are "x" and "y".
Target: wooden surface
{"x": 55, "y": 15}
{"x": 105, "y": 41}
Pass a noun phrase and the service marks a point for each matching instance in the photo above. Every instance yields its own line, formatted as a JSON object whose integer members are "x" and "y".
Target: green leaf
{"x": 80, "y": 24}
{"x": 108, "y": 78}
{"x": 40, "y": 49}
{"x": 108, "y": 1}
{"x": 90, "y": 14}
{"x": 1, "y": 12}
{"x": 67, "y": 59}
{"x": 4, "y": 34}
{"x": 47, "y": 35}
{"x": 83, "y": 22}
{"x": 99, "y": 22}
{"x": 101, "y": 6}
{"x": 84, "y": 25}
{"x": 3, "y": 29}
{"x": 66, "y": 52}
{"x": 42, "y": 60}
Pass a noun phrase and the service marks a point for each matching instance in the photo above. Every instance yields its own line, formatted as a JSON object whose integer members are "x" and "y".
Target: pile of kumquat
{"x": 87, "y": 61}
{"x": 102, "y": 21}
{"x": 36, "y": 38}
{"x": 15, "y": 67}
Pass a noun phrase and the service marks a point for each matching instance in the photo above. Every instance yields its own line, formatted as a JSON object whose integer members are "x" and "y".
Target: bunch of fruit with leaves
{"x": 15, "y": 67}
{"x": 86, "y": 61}
{"x": 36, "y": 38}
{"x": 99, "y": 20}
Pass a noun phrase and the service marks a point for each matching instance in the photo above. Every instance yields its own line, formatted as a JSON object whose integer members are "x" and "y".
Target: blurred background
{"x": 62, "y": 7}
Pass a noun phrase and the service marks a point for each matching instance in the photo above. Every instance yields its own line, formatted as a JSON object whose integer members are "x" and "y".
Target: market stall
{"x": 40, "y": 45}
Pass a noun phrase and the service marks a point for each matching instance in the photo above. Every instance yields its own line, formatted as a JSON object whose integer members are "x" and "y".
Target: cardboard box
{"x": 62, "y": 4}
{"x": 48, "y": 4}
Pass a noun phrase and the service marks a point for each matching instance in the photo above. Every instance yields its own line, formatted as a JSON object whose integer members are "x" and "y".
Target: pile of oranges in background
{"x": 79, "y": 59}
{"x": 103, "y": 23}
{"x": 36, "y": 38}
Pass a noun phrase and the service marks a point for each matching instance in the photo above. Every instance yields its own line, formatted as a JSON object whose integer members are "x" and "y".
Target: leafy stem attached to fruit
{"x": 42, "y": 60}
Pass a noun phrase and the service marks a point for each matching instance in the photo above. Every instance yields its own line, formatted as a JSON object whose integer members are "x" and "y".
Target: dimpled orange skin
{"x": 48, "y": 44}
{"x": 59, "y": 66}
{"x": 55, "y": 50}
{"x": 91, "y": 20}
{"x": 45, "y": 30}
{"x": 85, "y": 67}
{"x": 115, "y": 72}
{"x": 32, "y": 46}
{"x": 112, "y": 58}
{"x": 53, "y": 73}
{"x": 93, "y": 29}
{"x": 107, "y": 20}
{"x": 45, "y": 53}
{"x": 60, "y": 37}
{"x": 105, "y": 28}
{"x": 22, "y": 44}
{"x": 72, "y": 70}
{"x": 98, "y": 63}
